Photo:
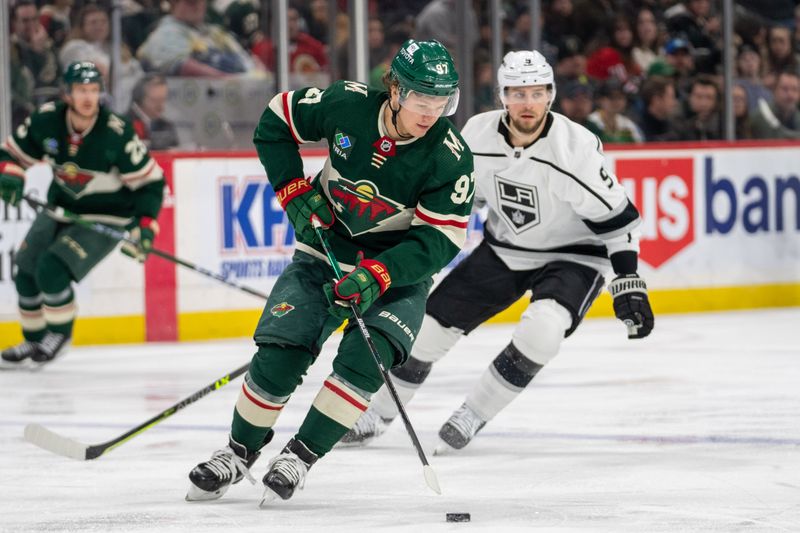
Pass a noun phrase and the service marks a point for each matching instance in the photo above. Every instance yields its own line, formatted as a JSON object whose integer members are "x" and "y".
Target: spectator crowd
{"x": 630, "y": 71}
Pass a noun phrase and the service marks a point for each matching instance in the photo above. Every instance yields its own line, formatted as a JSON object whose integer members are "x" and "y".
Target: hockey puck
{"x": 458, "y": 517}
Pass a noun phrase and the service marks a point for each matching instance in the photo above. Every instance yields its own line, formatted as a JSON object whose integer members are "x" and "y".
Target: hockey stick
{"x": 427, "y": 469}
{"x": 123, "y": 236}
{"x": 58, "y": 444}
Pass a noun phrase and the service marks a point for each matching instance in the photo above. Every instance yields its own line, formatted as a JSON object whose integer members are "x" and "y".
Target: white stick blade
{"x": 431, "y": 479}
{"x": 53, "y": 442}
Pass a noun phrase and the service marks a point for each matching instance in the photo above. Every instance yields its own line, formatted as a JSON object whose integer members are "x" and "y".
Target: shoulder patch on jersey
{"x": 453, "y": 143}
{"x": 116, "y": 124}
{"x": 356, "y": 87}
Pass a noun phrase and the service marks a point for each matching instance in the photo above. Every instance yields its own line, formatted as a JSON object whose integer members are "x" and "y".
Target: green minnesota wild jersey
{"x": 104, "y": 173}
{"x": 404, "y": 203}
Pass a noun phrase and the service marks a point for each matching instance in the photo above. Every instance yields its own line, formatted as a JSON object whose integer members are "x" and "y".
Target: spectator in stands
{"x": 646, "y": 41}
{"x": 575, "y": 101}
{"x": 376, "y": 42}
{"x": 306, "y": 54}
{"x": 781, "y": 119}
{"x": 694, "y": 20}
{"x": 593, "y": 18}
{"x": 147, "y": 113}
{"x": 701, "y": 120}
{"x": 55, "y": 18}
{"x": 33, "y": 49}
{"x": 741, "y": 115}
{"x": 780, "y": 54}
{"x": 21, "y": 90}
{"x": 658, "y": 98}
{"x": 678, "y": 53}
{"x": 560, "y": 21}
{"x": 243, "y": 19}
{"x": 318, "y": 20}
{"x": 183, "y": 45}
{"x": 138, "y": 20}
{"x": 609, "y": 118}
{"x": 748, "y": 66}
{"x": 90, "y": 41}
{"x": 571, "y": 63}
{"x": 395, "y": 38}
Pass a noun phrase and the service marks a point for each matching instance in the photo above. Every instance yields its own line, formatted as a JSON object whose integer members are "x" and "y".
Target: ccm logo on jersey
{"x": 518, "y": 203}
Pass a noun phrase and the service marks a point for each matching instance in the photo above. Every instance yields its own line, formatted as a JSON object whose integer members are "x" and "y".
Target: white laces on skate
{"x": 51, "y": 343}
{"x": 466, "y": 421}
{"x": 291, "y": 467}
{"x": 225, "y": 464}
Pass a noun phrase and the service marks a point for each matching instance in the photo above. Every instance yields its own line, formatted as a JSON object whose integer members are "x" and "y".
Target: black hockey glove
{"x": 302, "y": 203}
{"x": 631, "y": 305}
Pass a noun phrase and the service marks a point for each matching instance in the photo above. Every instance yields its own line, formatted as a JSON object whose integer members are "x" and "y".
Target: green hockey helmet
{"x": 425, "y": 68}
{"x": 82, "y": 72}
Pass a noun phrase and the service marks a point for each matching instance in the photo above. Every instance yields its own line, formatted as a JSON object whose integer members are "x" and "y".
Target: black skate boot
{"x": 288, "y": 471}
{"x": 368, "y": 427}
{"x": 459, "y": 430}
{"x": 211, "y": 479}
{"x": 20, "y": 355}
{"x": 50, "y": 347}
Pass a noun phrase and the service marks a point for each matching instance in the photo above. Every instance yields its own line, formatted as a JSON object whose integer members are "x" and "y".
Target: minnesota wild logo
{"x": 281, "y": 309}
{"x": 362, "y": 206}
{"x": 343, "y": 144}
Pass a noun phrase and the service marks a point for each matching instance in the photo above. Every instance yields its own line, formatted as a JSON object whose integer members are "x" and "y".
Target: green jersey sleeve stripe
{"x": 18, "y": 153}
{"x": 281, "y": 105}
{"x": 454, "y": 227}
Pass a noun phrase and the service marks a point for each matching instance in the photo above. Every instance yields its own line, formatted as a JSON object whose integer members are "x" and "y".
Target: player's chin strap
{"x": 394, "y": 121}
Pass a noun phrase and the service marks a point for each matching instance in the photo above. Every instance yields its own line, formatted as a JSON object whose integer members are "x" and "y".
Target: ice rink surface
{"x": 696, "y": 428}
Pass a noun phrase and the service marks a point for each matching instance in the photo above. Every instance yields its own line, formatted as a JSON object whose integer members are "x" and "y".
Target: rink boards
{"x": 721, "y": 230}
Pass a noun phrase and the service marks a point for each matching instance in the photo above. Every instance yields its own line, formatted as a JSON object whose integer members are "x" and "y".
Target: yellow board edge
{"x": 241, "y": 323}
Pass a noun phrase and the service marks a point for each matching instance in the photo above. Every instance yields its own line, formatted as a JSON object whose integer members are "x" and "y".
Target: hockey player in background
{"x": 557, "y": 219}
{"x": 395, "y": 195}
{"x": 102, "y": 172}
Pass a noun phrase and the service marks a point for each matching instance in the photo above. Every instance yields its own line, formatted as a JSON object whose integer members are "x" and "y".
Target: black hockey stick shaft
{"x": 430, "y": 476}
{"x": 114, "y": 233}
{"x": 55, "y": 443}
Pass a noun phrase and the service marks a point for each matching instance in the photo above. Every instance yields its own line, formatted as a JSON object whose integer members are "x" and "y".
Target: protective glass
{"x": 428, "y": 105}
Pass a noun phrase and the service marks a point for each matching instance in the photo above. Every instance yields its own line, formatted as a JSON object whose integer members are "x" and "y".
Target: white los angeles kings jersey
{"x": 552, "y": 200}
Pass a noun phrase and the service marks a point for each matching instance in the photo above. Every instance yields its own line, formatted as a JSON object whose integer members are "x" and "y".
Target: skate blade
{"x": 268, "y": 497}
{"x": 25, "y": 364}
{"x": 443, "y": 449}
{"x": 196, "y": 494}
{"x": 352, "y": 444}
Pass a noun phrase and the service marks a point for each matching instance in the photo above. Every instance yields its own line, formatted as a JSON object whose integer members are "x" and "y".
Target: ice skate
{"x": 19, "y": 356}
{"x": 287, "y": 471}
{"x": 211, "y": 479}
{"x": 459, "y": 430}
{"x": 367, "y": 428}
{"x": 51, "y": 346}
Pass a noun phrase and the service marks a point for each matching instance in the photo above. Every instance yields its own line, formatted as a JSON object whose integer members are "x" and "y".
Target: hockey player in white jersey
{"x": 558, "y": 220}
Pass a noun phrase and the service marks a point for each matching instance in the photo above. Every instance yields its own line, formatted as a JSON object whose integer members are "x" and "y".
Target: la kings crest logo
{"x": 519, "y": 204}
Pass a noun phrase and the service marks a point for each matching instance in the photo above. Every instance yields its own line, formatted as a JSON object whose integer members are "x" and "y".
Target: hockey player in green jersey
{"x": 395, "y": 195}
{"x": 102, "y": 172}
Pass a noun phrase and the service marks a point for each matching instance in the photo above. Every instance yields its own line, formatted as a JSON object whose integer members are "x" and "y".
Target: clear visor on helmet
{"x": 427, "y": 104}
{"x": 532, "y": 94}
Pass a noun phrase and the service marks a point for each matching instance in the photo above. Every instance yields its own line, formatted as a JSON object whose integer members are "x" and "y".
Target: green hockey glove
{"x": 12, "y": 182}
{"x": 301, "y": 203}
{"x": 364, "y": 285}
{"x": 145, "y": 233}
{"x": 631, "y": 305}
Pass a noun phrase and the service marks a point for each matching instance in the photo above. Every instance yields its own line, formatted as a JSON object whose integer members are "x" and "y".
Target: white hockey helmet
{"x": 527, "y": 67}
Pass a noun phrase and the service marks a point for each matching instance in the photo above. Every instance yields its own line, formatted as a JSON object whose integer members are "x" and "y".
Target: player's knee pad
{"x": 26, "y": 285}
{"x": 434, "y": 340}
{"x": 52, "y": 275}
{"x": 355, "y": 364}
{"x": 539, "y": 333}
{"x": 279, "y": 369}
